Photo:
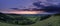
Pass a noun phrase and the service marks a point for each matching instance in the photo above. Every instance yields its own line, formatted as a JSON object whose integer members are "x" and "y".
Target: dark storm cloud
{"x": 37, "y": 4}
{"x": 14, "y": 8}
{"x": 52, "y": 7}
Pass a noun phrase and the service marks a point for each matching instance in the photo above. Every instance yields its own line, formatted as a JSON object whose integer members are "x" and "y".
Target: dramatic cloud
{"x": 52, "y": 6}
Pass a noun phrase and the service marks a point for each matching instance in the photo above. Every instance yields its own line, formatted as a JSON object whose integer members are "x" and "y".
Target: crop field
{"x": 53, "y": 20}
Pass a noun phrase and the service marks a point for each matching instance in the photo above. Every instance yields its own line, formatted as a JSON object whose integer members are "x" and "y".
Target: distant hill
{"x": 30, "y": 18}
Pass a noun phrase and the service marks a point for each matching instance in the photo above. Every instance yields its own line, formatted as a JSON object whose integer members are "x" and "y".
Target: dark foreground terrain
{"x": 28, "y": 20}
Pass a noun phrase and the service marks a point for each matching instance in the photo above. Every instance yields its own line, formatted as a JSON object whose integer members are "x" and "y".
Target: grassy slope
{"x": 52, "y": 21}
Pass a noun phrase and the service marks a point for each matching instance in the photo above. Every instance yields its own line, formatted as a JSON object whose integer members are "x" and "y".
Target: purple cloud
{"x": 49, "y": 6}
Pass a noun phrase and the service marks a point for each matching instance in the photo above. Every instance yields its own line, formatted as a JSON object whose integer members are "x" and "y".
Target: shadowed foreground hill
{"x": 54, "y": 20}
{"x": 18, "y": 19}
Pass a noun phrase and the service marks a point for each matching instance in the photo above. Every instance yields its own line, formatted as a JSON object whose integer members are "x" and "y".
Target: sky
{"x": 5, "y": 5}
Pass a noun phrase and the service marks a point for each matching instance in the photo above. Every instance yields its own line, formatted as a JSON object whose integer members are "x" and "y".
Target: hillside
{"x": 54, "y": 20}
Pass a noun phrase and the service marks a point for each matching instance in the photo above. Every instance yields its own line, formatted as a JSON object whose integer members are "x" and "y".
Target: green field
{"x": 54, "y": 20}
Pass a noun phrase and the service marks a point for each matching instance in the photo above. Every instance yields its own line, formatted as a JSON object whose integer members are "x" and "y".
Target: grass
{"x": 52, "y": 21}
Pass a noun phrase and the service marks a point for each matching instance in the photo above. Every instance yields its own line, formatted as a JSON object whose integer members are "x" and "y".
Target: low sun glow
{"x": 25, "y": 12}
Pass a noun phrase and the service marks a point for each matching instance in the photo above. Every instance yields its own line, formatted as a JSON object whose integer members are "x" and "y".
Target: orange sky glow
{"x": 24, "y": 12}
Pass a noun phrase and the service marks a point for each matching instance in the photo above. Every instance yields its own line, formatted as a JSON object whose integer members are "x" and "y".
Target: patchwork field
{"x": 54, "y": 20}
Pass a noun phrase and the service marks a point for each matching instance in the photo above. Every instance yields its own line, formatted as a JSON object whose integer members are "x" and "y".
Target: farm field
{"x": 54, "y": 20}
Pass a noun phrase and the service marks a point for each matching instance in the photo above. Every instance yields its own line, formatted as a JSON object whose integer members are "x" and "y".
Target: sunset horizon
{"x": 22, "y": 12}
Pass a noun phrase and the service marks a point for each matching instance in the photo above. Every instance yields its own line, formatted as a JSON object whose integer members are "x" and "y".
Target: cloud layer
{"x": 48, "y": 5}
